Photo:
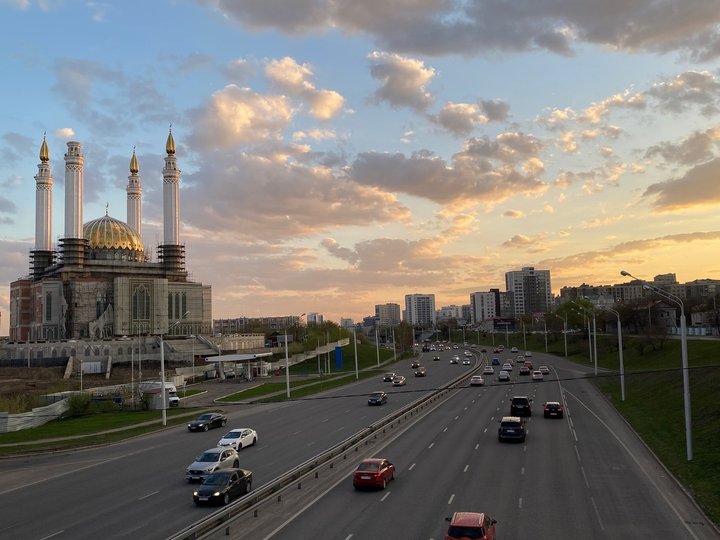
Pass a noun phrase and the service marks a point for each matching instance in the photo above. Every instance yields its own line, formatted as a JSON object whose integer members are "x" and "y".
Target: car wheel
{"x": 206, "y": 427}
{"x": 236, "y": 464}
{"x": 248, "y": 487}
{"x": 254, "y": 441}
{"x": 384, "y": 484}
{"x": 226, "y": 498}
{"x": 222, "y": 424}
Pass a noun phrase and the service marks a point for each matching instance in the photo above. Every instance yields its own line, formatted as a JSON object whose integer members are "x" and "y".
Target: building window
{"x": 48, "y": 307}
{"x": 141, "y": 303}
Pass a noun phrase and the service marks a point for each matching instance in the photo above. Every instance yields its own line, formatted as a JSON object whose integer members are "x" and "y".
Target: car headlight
{"x": 195, "y": 493}
{"x": 216, "y": 494}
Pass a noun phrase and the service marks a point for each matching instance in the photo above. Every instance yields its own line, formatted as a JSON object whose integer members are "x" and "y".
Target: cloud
{"x": 514, "y": 213}
{"x": 689, "y": 88}
{"x": 484, "y": 171}
{"x": 460, "y": 118}
{"x": 531, "y": 244}
{"x": 314, "y": 134}
{"x": 698, "y": 147}
{"x": 15, "y": 145}
{"x": 236, "y": 116}
{"x": 64, "y": 133}
{"x": 437, "y": 27}
{"x": 699, "y": 187}
{"x": 292, "y": 78}
{"x": 238, "y": 70}
{"x": 403, "y": 80}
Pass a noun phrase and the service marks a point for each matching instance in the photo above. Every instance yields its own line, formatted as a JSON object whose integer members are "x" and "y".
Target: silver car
{"x": 210, "y": 461}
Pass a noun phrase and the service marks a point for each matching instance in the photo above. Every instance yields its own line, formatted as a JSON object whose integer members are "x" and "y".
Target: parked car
{"x": 399, "y": 380}
{"x": 239, "y": 438}
{"x": 223, "y": 486}
{"x": 553, "y": 409}
{"x": 377, "y": 398}
{"x": 477, "y": 380}
{"x": 421, "y": 372}
{"x": 207, "y": 421}
{"x": 470, "y": 525}
{"x": 544, "y": 370}
{"x": 373, "y": 472}
{"x": 210, "y": 461}
{"x": 512, "y": 428}
{"x": 503, "y": 376}
{"x": 537, "y": 375}
{"x": 520, "y": 406}
{"x": 489, "y": 370}
{"x": 388, "y": 377}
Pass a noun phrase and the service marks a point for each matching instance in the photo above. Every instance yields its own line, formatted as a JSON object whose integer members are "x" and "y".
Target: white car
{"x": 468, "y": 353}
{"x": 528, "y": 354}
{"x": 514, "y": 350}
{"x": 455, "y": 360}
{"x": 210, "y": 461}
{"x": 520, "y": 359}
{"x": 477, "y": 380}
{"x": 239, "y": 438}
{"x": 537, "y": 375}
{"x": 544, "y": 370}
{"x": 489, "y": 370}
{"x": 503, "y": 376}
{"x": 507, "y": 366}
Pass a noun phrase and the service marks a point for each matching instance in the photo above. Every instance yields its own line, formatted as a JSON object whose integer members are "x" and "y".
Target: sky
{"x": 338, "y": 154}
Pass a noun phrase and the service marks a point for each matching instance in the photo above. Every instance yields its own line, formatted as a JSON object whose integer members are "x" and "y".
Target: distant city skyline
{"x": 343, "y": 156}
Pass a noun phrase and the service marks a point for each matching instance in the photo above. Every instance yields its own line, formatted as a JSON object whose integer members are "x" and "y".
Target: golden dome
{"x": 44, "y": 152}
{"x": 134, "y": 167}
{"x": 170, "y": 144}
{"x": 111, "y": 233}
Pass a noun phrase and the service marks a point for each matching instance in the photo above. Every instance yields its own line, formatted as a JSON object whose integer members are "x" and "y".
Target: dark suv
{"x": 520, "y": 406}
{"x": 512, "y": 428}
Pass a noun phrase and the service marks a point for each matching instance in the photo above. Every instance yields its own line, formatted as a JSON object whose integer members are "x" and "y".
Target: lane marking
{"x": 411, "y": 467}
{"x": 148, "y": 495}
{"x": 522, "y": 471}
{"x": 478, "y": 444}
{"x": 53, "y": 534}
{"x": 597, "y": 513}
{"x": 582, "y": 470}
{"x": 450, "y": 500}
{"x": 431, "y": 445}
{"x": 577, "y": 453}
{"x": 323, "y": 421}
{"x": 520, "y": 503}
{"x": 385, "y": 496}
{"x": 466, "y": 468}
{"x": 444, "y": 430}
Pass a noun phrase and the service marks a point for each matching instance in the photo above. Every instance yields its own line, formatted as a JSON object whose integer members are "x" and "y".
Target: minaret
{"x": 171, "y": 252}
{"x": 74, "y": 242}
{"x": 134, "y": 196}
{"x": 42, "y": 255}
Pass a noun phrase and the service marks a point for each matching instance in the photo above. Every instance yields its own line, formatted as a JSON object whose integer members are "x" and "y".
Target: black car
{"x": 415, "y": 365}
{"x": 388, "y": 377}
{"x": 421, "y": 372}
{"x": 207, "y": 421}
{"x": 221, "y": 487}
{"x": 436, "y": 358}
{"x": 377, "y": 398}
{"x": 512, "y": 428}
{"x": 520, "y": 406}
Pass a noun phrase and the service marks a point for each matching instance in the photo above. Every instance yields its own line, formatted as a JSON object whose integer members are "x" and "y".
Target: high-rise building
{"x": 314, "y": 319}
{"x": 531, "y": 290}
{"x": 449, "y": 312}
{"x": 387, "y": 314}
{"x": 420, "y": 309}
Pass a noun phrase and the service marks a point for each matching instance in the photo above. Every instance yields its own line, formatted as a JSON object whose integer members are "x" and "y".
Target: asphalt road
{"x": 586, "y": 476}
{"x": 136, "y": 489}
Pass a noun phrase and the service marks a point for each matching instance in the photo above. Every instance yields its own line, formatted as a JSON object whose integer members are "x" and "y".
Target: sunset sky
{"x": 336, "y": 154}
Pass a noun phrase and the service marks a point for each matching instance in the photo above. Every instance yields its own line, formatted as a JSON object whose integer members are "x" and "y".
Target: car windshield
{"x": 376, "y": 394}
{"x": 208, "y": 457}
{"x": 509, "y": 424}
{"x": 204, "y": 417}
{"x": 217, "y": 479}
{"x": 232, "y": 435}
{"x": 368, "y": 467}
{"x": 465, "y": 532}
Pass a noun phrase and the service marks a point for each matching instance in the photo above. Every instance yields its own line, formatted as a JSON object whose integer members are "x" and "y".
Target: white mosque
{"x": 99, "y": 282}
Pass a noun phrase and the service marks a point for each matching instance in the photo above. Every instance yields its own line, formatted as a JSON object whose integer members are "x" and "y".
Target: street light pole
{"x": 287, "y": 362}
{"x": 162, "y": 368}
{"x": 564, "y": 320}
{"x": 620, "y": 353}
{"x": 545, "y": 326}
{"x": 357, "y": 373}
{"x": 683, "y": 348}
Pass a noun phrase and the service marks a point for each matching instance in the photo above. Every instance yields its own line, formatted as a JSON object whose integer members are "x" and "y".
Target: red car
{"x": 373, "y": 472}
{"x": 470, "y": 525}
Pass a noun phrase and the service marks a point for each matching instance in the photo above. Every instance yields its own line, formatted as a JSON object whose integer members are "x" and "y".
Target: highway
{"x": 586, "y": 476}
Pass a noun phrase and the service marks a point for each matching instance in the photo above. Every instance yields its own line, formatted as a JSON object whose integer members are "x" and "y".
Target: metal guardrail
{"x": 221, "y": 517}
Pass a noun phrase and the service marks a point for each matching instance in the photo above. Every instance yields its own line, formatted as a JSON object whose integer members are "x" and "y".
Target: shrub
{"x": 78, "y": 405}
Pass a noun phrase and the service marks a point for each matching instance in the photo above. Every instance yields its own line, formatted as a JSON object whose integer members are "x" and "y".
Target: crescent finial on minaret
{"x": 170, "y": 144}
{"x": 44, "y": 151}
{"x": 134, "y": 167}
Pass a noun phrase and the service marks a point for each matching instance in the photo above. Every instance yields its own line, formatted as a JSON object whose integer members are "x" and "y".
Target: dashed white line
{"x": 577, "y": 453}
{"x": 466, "y": 468}
{"x": 522, "y": 471}
{"x": 520, "y": 502}
{"x": 444, "y": 430}
{"x": 148, "y": 495}
{"x": 431, "y": 445}
{"x": 411, "y": 467}
{"x": 53, "y": 534}
{"x": 597, "y": 513}
{"x": 387, "y": 494}
{"x": 485, "y": 430}
{"x": 582, "y": 470}
{"x": 478, "y": 444}
{"x": 349, "y": 536}
{"x": 450, "y": 500}
{"x": 323, "y": 421}
{"x": 457, "y": 417}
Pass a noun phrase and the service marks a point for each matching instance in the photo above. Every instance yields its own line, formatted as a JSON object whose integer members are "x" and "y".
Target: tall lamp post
{"x": 590, "y": 334}
{"x": 683, "y": 348}
{"x": 287, "y": 362}
{"x": 620, "y": 352}
{"x": 564, "y": 320}
{"x": 162, "y": 368}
